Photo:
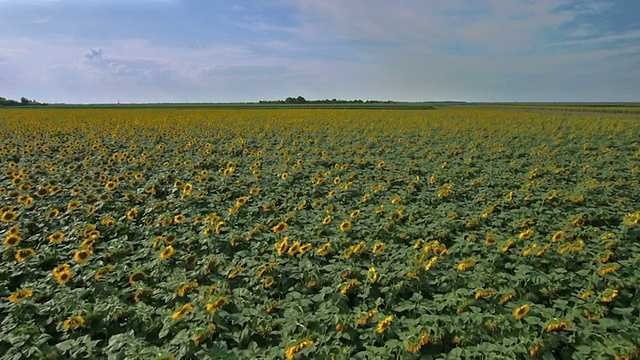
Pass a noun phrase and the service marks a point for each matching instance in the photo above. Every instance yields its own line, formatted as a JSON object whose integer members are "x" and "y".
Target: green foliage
{"x": 218, "y": 234}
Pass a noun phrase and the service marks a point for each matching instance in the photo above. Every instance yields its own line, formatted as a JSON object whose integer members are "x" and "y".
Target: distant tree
{"x": 24, "y": 101}
{"x": 300, "y": 100}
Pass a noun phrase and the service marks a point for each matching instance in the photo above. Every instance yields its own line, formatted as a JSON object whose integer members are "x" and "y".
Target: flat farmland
{"x": 318, "y": 233}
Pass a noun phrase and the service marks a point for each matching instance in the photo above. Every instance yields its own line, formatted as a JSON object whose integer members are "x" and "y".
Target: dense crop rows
{"x": 318, "y": 234}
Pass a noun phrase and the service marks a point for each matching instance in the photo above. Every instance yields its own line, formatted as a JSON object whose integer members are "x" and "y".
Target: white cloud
{"x": 630, "y": 35}
{"x": 93, "y": 53}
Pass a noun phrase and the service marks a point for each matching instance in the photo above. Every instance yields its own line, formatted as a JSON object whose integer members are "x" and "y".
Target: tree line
{"x": 302, "y": 100}
{"x": 23, "y": 102}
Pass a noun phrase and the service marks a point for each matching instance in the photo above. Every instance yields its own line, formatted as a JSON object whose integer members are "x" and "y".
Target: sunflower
{"x": 42, "y": 192}
{"x": 136, "y": 276}
{"x": 254, "y": 191}
{"x": 167, "y": 252}
{"x": 24, "y": 199}
{"x": 558, "y": 325}
{"x": 324, "y": 249}
{"x": 218, "y": 228}
{"x": 429, "y": 264}
{"x": 280, "y": 228}
{"x": 466, "y": 264}
{"x": 345, "y": 226}
{"x": 20, "y": 295}
{"x": 508, "y": 296}
{"x": 111, "y": 185}
{"x": 610, "y": 294}
{"x": 217, "y": 305}
{"x": 12, "y": 240}
{"x": 185, "y": 288}
{"x": 490, "y": 240}
{"x": 528, "y": 250}
{"x": 184, "y": 311}
{"x": 108, "y": 221}
{"x": 521, "y": 311}
{"x": 63, "y": 276}
{"x": 56, "y": 237}
{"x": 91, "y": 210}
{"x": 379, "y": 248}
{"x": 294, "y": 249}
{"x": 179, "y": 218}
{"x": 170, "y": 239}
{"x": 73, "y": 205}
{"x": 100, "y": 273}
{"x": 81, "y": 256}
{"x": 350, "y": 285}
{"x": 384, "y": 324}
{"x": 73, "y": 323}
{"x": 23, "y": 254}
{"x": 368, "y": 316}
{"x": 559, "y": 235}
{"x": 291, "y": 351}
{"x": 268, "y": 282}
{"x": 241, "y": 201}
{"x": 506, "y": 246}
{"x": 8, "y": 216}
{"x": 305, "y": 248}
{"x": 372, "y": 275}
{"x": 132, "y": 214}
{"x": 235, "y": 273}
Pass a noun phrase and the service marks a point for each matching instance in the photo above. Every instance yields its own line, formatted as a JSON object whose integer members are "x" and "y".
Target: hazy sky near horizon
{"x": 88, "y": 51}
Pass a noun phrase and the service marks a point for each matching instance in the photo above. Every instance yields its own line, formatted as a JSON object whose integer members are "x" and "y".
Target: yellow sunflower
{"x": 136, "y": 276}
{"x": 12, "y": 240}
{"x": 73, "y": 323}
{"x": 8, "y": 216}
{"x": 345, "y": 226}
{"x": 184, "y": 311}
{"x": 521, "y": 311}
{"x": 167, "y": 252}
{"x": 81, "y": 256}
{"x": 280, "y": 228}
{"x": 20, "y": 295}
{"x": 384, "y": 324}
{"x": 23, "y": 254}
{"x": 110, "y": 185}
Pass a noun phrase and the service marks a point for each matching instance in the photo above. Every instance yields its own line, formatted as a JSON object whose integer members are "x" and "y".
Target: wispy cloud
{"x": 630, "y": 35}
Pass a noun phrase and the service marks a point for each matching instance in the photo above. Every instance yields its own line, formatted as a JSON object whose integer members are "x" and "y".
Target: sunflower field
{"x": 318, "y": 234}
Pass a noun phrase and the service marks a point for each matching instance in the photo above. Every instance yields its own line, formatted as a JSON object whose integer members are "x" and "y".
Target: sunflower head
{"x": 23, "y": 254}
{"x": 345, "y": 226}
{"x": 20, "y": 295}
{"x": 81, "y": 256}
{"x": 136, "y": 276}
{"x": 56, "y": 237}
{"x": 521, "y": 311}
{"x": 63, "y": 276}
{"x": 8, "y": 216}
{"x": 110, "y": 185}
{"x": 73, "y": 323}
{"x": 12, "y": 240}
{"x": 280, "y": 228}
{"x": 167, "y": 252}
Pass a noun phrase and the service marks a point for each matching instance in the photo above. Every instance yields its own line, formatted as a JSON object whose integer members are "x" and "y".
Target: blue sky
{"x": 102, "y": 51}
